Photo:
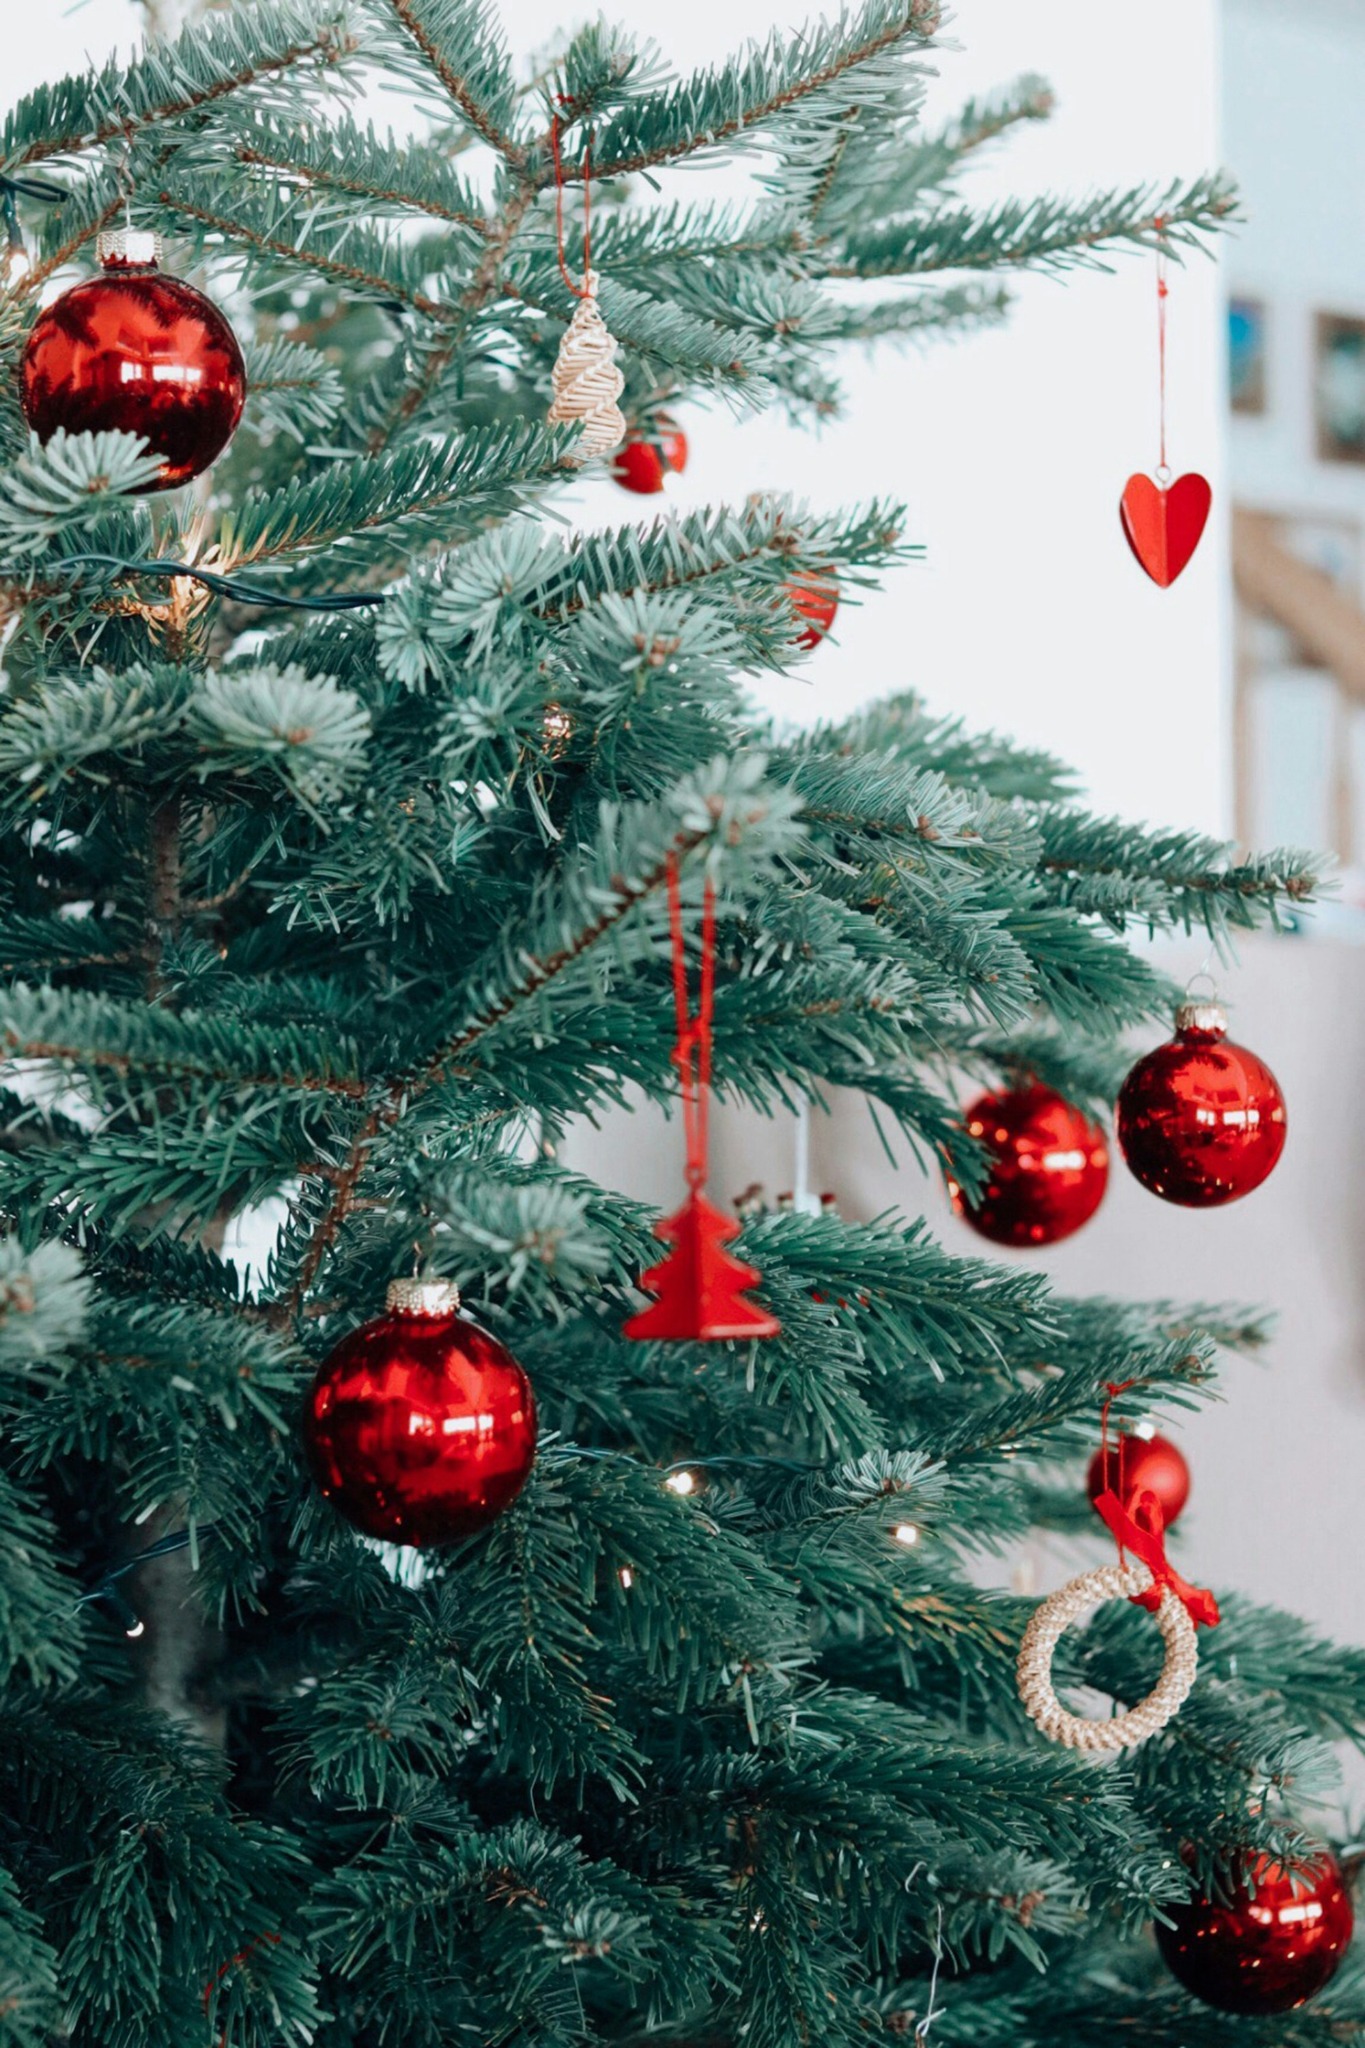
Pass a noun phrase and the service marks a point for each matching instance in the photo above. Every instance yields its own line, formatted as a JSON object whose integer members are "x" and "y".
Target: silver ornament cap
{"x": 128, "y": 248}
{"x": 1208, "y": 1018}
{"x": 422, "y": 1298}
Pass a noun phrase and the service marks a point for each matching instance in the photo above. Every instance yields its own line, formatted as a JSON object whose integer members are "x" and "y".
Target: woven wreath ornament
{"x": 1150, "y": 1581}
{"x": 1051, "y": 1621}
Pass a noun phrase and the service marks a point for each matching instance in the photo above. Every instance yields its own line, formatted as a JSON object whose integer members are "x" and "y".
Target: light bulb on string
{"x": 906, "y": 1534}
{"x": 16, "y": 262}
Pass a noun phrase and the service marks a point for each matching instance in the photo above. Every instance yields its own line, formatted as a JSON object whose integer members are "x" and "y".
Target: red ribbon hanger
{"x": 700, "y": 1287}
{"x": 692, "y": 1053}
{"x": 1141, "y": 1528}
{"x": 579, "y": 291}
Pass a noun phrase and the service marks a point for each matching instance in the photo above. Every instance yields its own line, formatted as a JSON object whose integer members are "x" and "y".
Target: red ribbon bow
{"x": 1141, "y": 1528}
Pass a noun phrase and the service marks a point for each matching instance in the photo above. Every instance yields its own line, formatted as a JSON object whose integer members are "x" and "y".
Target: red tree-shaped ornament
{"x": 700, "y": 1287}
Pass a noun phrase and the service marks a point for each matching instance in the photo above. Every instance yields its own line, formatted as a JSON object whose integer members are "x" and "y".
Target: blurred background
{"x": 1234, "y": 702}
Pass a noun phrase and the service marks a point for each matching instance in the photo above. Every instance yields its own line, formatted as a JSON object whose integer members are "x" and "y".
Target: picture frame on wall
{"x": 1339, "y": 387}
{"x": 1247, "y": 353}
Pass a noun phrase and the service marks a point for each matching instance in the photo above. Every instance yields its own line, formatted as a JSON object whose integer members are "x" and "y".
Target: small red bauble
{"x": 136, "y": 352}
{"x": 645, "y": 459}
{"x": 1279, "y": 1939}
{"x": 816, "y": 598}
{"x": 1142, "y": 1464}
{"x": 1049, "y": 1167}
{"x": 1201, "y": 1121}
{"x": 420, "y": 1427}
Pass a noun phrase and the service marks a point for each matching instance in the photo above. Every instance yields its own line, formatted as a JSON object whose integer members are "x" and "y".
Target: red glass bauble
{"x": 1201, "y": 1121}
{"x": 1142, "y": 1464}
{"x": 420, "y": 1427}
{"x": 1279, "y": 1939}
{"x": 1049, "y": 1167}
{"x": 645, "y": 459}
{"x": 136, "y": 352}
{"x": 816, "y": 598}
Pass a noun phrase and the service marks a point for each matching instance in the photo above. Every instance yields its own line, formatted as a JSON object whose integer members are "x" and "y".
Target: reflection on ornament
{"x": 1201, "y": 1121}
{"x": 1049, "y": 1167}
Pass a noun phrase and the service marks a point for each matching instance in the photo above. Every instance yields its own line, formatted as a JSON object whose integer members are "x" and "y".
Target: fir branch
{"x": 755, "y": 90}
{"x": 370, "y": 264}
{"x": 208, "y": 62}
{"x": 468, "y": 61}
{"x": 1042, "y": 233}
{"x": 359, "y": 164}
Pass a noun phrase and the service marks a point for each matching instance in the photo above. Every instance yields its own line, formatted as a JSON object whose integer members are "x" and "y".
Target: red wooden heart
{"x": 1163, "y": 526}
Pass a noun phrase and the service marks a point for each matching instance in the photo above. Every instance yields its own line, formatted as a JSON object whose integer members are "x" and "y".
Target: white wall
{"x": 1292, "y": 90}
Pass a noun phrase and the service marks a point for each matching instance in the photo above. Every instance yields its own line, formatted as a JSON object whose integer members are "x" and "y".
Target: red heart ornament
{"x": 1163, "y": 526}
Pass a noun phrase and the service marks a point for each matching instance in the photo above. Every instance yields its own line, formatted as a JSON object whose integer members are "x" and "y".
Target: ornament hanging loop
{"x": 589, "y": 285}
{"x": 1163, "y": 291}
{"x": 692, "y": 1053}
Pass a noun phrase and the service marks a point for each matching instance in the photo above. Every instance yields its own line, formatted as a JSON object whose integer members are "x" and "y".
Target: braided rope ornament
{"x": 587, "y": 382}
{"x": 1050, "y": 1622}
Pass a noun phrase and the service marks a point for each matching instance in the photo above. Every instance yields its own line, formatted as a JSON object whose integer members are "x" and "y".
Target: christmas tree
{"x": 342, "y": 789}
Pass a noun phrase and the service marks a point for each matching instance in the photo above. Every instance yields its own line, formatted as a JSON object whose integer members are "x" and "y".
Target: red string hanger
{"x": 587, "y": 381}
{"x": 1163, "y": 520}
{"x": 700, "y": 1288}
{"x": 1137, "y": 1524}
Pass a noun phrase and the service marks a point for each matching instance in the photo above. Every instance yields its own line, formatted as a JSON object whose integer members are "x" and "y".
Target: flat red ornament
{"x": 1163, "y": 525}
{"x": 700, "y": 1287}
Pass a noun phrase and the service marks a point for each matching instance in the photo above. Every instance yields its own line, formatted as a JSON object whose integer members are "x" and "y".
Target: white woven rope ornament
{"x": 587, "y": 382}
{"x": 1051, "y": 1621}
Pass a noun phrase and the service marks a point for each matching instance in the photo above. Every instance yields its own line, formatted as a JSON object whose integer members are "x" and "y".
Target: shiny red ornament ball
{"x": 643, "y": 462}
{"x": 1049, "y": 1167}
{"x": 1201, "y": 1121}
{"x": 1278, "y": 1941}
{"x": 816, "y": 599}
{"x": 1142, "y": 1464}
{"x": 420, "y": 1427}
{"x": 136, "y": 352}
